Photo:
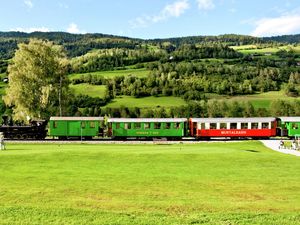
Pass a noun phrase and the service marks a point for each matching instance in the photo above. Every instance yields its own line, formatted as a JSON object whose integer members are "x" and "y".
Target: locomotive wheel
{"x": 24, "y": 136}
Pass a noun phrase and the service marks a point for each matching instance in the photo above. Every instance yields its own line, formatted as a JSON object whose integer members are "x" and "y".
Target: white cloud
{"x": 205, "y": 4}
{"x": 31, "y": 29}
{"x": 28, "y": 3}
{"x": 73, "y": 28}
{"x": 175, "y": 9}
{"x": 284, "y": 24}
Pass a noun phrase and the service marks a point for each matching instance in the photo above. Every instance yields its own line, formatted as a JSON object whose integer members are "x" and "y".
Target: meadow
{"x": 206, "y": 183}
{"x": 251, "y": 49}
{"x": 113, "y": 73}
{"x": 89, "y": 89}
{"x": 259, "y": 100}
{"x": 146, "y": 102}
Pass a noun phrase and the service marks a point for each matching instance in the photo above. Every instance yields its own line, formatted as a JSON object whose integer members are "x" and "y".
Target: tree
{"x": 38, "y": 85}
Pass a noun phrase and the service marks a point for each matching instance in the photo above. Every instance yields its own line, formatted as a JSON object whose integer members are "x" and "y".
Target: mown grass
{"x": 207, "y": 183}
{"x": 146, "y": 102}
{"x": 88, "y": 89}
{"x": 113, "y": 73}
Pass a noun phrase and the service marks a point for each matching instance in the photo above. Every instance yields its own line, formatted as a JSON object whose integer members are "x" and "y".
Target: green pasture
{"x": 260, "y": 100}
{"x": 206, "y": 183}
{"x": 88, "y": 89}
{"x": 251, "y": 49}
{"x": 113, "y": 73}
{"x": 145, "y": 102}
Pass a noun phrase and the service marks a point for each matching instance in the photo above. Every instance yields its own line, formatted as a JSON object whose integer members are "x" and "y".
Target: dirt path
{"x": 274, "y": 145}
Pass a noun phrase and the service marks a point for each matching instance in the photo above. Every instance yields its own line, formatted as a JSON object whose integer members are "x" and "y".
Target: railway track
{"x": 129, "y": 141}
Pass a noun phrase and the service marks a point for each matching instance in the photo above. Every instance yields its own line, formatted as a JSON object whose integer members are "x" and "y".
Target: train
{"x": 87, "y": 128}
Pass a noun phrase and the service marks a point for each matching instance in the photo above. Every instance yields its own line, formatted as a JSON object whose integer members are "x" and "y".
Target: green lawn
{"x": 88, "y": 89}
{"x": 261, "y": 100}
{"x": 146, "y": 102}
{"x": 207, "y": 183}
{"x": 113, "y": 73}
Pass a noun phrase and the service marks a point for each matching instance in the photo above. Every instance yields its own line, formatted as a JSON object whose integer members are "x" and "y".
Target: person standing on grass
{"x": 2, "y": 144}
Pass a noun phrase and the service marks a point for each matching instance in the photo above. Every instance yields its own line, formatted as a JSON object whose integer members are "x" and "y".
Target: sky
{"x": 149, "y": 19}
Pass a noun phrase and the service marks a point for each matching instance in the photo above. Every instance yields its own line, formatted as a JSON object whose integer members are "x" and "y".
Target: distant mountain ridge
{"x": 80, "y": 44}
{"x": 295, "y": 38}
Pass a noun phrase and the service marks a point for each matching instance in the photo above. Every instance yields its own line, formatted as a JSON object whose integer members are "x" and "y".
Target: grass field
{"x": 251, "y": 49}
{"x": 146, "y": 102}
{"x": 113, "y": 73}
{"x": 261, "y": 100}
{"x": 88, "y": 89}
{"x": 207, "y": 183}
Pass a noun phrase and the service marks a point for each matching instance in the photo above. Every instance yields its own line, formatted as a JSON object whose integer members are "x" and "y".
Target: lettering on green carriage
{"x": 147, "y": 133}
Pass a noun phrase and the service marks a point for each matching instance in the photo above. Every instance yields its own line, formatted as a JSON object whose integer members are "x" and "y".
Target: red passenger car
{"x": 233, "y": 127}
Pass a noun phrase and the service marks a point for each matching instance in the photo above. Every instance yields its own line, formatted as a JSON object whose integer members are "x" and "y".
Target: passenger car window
{"x": 157, "y": 125}
{"x": 244, "y": 125}
{"x": 168, "y": 126}
{"x": 92, "y": 124}
{"x": 147, "y": 126}
{"x": 137, "y": 125}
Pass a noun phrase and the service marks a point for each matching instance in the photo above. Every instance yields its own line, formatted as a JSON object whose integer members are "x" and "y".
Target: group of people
{"x": 294, "y": 145}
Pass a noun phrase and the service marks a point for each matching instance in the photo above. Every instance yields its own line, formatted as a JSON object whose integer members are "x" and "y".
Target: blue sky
{"x": 153, "y": 18}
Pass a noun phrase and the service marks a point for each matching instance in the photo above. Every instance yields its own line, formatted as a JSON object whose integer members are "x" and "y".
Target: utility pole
{"x": 59, "y": 95}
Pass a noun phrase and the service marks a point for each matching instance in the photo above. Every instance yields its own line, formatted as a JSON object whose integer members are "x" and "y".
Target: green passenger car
{"x": 290, "y": 126}
{"x": 79, "y": 127}
{"x": 147, "y": 127}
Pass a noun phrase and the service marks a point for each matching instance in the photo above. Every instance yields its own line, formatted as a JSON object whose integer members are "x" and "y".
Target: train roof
{"x": 234, "y": 120}
{"x": 290, "y": 119}
{"x": 74, "y": 118}
{"x": 146, "y": 120}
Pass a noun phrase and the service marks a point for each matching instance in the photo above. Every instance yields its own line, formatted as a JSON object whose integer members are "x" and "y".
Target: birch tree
{"x": 37, "y": 80}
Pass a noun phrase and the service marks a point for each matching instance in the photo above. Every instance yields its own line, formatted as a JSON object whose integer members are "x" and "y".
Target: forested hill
{"x": 80, "y": 44}
{"x": 291, "y": 39}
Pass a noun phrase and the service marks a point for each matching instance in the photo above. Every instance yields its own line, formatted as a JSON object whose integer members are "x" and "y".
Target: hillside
{"x": 188, "y": 76}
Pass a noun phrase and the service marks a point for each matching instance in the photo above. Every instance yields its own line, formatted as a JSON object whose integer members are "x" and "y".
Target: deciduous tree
{"x": 38, "y": 84}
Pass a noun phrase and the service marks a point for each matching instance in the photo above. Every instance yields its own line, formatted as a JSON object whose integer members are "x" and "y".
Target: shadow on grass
{"x": 252, "y": 151}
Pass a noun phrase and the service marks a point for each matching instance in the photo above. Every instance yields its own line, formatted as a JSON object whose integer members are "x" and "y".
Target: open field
{"x": 261, "y": 100}
{"x": 207, "y": 183}
{"x": 113, "y": 73}
{"x": 90, "y": 90}
{"x": 146, "y": 102}
{"x": 250, "y": 49}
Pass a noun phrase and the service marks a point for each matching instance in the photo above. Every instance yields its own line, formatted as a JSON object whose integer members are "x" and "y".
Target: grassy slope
{"x": 250, "y": 49}
{"x": 91, "y": 90}
{"x": 262, "y": 100}
{"x": 208, "y": 183}
{"x": 146, "y": 102}
{"x": 109, "y": 74}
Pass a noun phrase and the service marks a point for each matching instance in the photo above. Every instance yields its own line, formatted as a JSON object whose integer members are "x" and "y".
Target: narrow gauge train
{"x": 173, "y": 128}
{"x": 35, "y": 130}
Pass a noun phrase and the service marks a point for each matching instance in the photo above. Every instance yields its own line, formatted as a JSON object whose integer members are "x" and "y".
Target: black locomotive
{"x": 35, "y": 130}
